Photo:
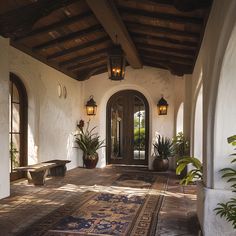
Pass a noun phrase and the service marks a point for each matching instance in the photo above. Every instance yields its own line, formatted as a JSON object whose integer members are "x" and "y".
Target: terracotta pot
{"x": 160, "y": 164}
{"x": 90, "y": 161}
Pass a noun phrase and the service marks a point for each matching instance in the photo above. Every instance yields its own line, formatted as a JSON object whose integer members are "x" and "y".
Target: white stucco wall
{"x": 216, "y": 123}
{"x": 51, "y": 119}
{"x": 4, "y": 119}
{"x": 152, "y": 83}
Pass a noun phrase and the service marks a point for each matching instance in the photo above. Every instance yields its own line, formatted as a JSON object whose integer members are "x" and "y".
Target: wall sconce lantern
{"x": 162, "y": 106}
{"x": 91, "y": 107}
{"x": 116, "y": 63}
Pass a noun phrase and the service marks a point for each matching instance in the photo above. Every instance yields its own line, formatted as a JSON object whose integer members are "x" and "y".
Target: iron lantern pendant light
{"x": 116, "y": 63}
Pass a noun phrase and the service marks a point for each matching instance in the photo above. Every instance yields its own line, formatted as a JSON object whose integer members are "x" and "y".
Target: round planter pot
{"x": 160, "y": 164}
{"x": 90, "y": 161}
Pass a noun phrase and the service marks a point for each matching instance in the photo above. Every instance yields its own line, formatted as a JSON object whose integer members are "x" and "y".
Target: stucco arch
{"x": 212, "y": 59}
{"x": 225, "y": 113}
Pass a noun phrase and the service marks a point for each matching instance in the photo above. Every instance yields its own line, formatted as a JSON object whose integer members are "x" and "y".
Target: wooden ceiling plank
{"x": 166, "y": 49}
{"x": 158, "y": 29}
{"x": 85, "y": 75}
{"x": 86, "y": 57}
{"x": 22, "y": 19}
{"x": 69, "y": 37}
{"x": 160, "y": 16}
{"x": 181, "y": 5}
{"x": 79, "y": 47}
{"x": 42, "y": 59}
{"x": 87, "y": 63}
{"x": 55, "y": 26}
{"x": 164, "y": 57}
{"x": 107, "y": 14}
{"x": 175, "y": 68}
{"x": 90, "y": 66}
{"x": 164, "y": 39}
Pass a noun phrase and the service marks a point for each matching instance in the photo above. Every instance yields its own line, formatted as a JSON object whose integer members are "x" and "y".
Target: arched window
{"x": 18, "y": 120}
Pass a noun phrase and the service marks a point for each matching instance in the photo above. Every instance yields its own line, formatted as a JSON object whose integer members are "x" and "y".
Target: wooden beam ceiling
{"x": 108, "y": 16}
{"x": 23, "y": 18}
{"x": 79, "y": 47}
{"x": 56, "y": 26}
{"x": 74, "y": 36}
{"x": 69, "y": 37}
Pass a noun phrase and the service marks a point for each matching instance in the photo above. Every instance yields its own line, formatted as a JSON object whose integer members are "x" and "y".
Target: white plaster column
{"x": 4, "y": 118}
{"x": 187, "y": 106}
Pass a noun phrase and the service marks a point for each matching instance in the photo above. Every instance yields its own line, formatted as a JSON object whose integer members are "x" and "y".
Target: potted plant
{"x": 163, "y": 149}
{"x": 89, "y": 143}
{"x": 181, "y": 149}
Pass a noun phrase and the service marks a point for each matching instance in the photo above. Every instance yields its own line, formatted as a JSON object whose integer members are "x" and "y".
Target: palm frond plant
{"x": 228, "y": 209}
{"x": 163, "y": 149}
{"x": 89, "y": 142}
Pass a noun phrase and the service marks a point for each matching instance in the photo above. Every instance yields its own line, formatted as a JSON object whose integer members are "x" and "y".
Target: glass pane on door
{"x": 139, "y": 129}
{"x": 117, "y": 114}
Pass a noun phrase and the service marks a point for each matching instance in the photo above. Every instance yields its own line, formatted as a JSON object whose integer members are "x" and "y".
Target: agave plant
{"x": 88, "y": 141}
{"x": 163, "y": 147}
{"x": 228, "y": 209}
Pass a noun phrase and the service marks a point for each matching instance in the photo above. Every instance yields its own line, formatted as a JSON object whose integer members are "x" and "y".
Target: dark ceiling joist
{"x": 166, "y": 49}
{"x": 175, "y": 69}
{"x": 168, "y": 18}
{"x": 56, "y": 26}
{"x": 69, "y": 37}
{"x": 87, "y": 63}
{"x": 181, "y": 5}
{"x": 109, "y": 17}
{"x": 165, "y": 39}
{"x": 23, "y": 18}
{"x": 84, "y": 75}
{"x": 134, "y": 27}
{"x": 42, "y": 59}
{"x": 86, "y": 57}
{"x": 83, "y": 46}
{"x": 162, "y": 56}
{"x": 90, "y": 66}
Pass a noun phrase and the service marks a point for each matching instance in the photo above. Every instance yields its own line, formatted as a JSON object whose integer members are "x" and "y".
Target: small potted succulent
{"x": 163, "y": 149}
{"x": 89, "y": 142}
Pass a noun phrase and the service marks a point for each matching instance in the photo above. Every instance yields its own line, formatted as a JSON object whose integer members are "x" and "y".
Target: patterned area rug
{"x": 105, "y": 213}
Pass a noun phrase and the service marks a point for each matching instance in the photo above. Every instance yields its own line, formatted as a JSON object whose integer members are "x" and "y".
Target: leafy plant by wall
{"x": 228, "y": 209}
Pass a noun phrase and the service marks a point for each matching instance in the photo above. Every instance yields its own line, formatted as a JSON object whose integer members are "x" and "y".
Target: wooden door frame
{"x": 23, "y": 125}
{"x": 147, "y": 124}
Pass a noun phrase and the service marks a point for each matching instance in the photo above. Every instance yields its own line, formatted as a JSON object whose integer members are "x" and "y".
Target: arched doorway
{"x": 18, "y": 120}
{"x": 127, "y": 128}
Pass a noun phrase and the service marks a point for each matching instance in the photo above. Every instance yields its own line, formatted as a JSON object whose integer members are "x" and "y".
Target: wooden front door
{"x": 127, "y": 128}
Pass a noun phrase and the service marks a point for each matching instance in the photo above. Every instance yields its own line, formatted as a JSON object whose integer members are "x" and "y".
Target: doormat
{"x": 103, "y": 214}
{"x": 135, "y": 180}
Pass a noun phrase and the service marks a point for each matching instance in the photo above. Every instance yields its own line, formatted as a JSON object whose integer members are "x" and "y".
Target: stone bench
{"x": 36, "y": 173}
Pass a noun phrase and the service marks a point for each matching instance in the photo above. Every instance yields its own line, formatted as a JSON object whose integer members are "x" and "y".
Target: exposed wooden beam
{"x": 134, "y": 27}
{"x": 87, "y": 74}
{"x": 54, "y": 27}
{"x": 87, "y": 63}
{"x": 175, "y": 69}
{"x": 107, "y": 14}
{"x": 79, "y": 47}
{"x": 69, "y": 37}
{"x": 183, "y": 52}
{"x": 85, "y": 57}
{"x": 23, "y": 18}
{"x": 164, "y": 57}
{"x": 164, "y": 39}
{"x": 181, "y": 5}
{"x": 26, "y": 50}
{"x": 89, "y": 66}
{"x": 168, "y": 18}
